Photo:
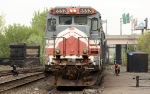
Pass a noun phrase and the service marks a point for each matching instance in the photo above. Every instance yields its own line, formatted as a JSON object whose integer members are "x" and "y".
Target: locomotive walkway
{"x": 125, "y": 84}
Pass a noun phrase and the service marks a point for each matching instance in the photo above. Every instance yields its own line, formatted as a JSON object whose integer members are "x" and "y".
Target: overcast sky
{"x": 21, "y": 11}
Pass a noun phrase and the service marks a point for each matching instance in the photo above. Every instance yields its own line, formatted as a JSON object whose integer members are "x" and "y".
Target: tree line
{"x": 16, "y": 33}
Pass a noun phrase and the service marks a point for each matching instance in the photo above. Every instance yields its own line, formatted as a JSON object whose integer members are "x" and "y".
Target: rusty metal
{"x": 94, "y": 89}
{"x": 70, "y": 78}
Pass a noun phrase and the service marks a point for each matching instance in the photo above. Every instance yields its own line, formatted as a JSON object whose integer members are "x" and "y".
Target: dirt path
{"x": 125, "y": 84}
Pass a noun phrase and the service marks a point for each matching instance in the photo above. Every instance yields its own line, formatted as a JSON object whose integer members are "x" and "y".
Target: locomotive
{"x": 75, "y": 46}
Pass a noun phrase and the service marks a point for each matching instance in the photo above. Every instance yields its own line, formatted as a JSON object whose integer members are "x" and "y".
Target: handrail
{"x": 64, "y": 45}
{"x": 95, "y": 42}
{"x": 78, "y": 45}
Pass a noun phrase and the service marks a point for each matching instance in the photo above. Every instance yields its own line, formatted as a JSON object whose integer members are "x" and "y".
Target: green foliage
{"x": 34, "y": 39}
{"x": 3, "y": 46}
{"x": 144, "y": 43}
{"x": 20, "y": 33}
{"x": 12, "y": 34}
{"x": 39, "y": 20}
{"x": 17, "y": 33}
{"x": 2, "y": 22}
{"x": 124, "y": 57}
{"x": 38, "y": 40}
{"x": 131, "y": 48}
{"x": 38, "y": 24}
{"x": 114, "y": 56}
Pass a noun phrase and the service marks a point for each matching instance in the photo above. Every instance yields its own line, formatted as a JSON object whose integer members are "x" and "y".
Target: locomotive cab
{"x": 74, "y": 46}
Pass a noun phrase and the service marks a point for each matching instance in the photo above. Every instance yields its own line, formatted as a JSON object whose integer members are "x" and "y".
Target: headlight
{"x": 84, "y": 51}
{"x": 57, "y": 51}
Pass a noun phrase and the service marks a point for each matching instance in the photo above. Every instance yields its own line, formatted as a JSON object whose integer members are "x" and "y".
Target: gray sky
{"x": 21, "y": 11}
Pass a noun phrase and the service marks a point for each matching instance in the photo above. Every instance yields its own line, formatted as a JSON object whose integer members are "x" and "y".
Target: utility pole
{"x": 106, "y": 27}
{"x": 120, "y": 26}
{"x": 142, "y": 31}
{"x": 131, "y": 18}
{"x": 146, "y": 25}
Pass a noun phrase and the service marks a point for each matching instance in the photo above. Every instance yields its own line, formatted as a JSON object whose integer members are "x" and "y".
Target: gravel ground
{"x": 38, "y": 87}
{"x": 5, "y": 67}
{"x": 125, "y": 84}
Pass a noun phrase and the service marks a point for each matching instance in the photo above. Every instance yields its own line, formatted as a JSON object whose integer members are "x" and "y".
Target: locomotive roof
{"x": 73, "y": 6}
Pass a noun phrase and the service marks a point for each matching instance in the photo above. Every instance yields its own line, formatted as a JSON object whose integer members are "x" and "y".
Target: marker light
{"x": 70, "y": 10}
{"x": 73, "y": 11}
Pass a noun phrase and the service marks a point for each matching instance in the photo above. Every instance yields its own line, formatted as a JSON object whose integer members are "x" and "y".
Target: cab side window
{"x": 94, "y": 24}
{"x": 51, "y": 25}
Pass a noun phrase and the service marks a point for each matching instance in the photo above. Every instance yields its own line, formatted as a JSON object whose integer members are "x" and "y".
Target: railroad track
{"x": 4, "y": 86}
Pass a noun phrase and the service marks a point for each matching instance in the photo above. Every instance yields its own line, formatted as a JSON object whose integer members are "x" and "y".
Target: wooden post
{"x": 142, "y": 31}
{"x": 137, "y": 81}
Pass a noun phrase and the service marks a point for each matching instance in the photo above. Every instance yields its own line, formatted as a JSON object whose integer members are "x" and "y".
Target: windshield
{"x": 65, "y": 20}
{"x": 80, "y": 20}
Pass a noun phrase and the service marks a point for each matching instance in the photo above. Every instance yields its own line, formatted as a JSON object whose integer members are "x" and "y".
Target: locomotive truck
{"x": 75, "y": 46}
